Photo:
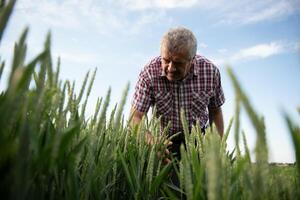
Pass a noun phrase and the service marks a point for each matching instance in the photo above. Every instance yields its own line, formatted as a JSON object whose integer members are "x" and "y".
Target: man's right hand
{"x": 163, "y": 152}
{"x": 150, "y": 140}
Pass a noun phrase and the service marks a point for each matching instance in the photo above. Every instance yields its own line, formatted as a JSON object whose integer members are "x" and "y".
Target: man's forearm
{"x": 216, "y": 117}
{"x": 136, "y": 117}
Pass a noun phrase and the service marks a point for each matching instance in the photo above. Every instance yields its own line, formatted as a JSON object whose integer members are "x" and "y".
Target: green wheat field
{"x": 49, "y": 149}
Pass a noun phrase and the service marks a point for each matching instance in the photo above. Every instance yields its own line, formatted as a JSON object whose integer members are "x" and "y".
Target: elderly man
{"x": 180, "y": 79}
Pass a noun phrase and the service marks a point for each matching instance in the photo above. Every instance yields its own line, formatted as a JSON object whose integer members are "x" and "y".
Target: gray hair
{"x": 179, "y": 38}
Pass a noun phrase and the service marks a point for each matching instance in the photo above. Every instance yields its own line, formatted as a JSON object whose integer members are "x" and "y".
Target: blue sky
{"x": 259, "y": 39}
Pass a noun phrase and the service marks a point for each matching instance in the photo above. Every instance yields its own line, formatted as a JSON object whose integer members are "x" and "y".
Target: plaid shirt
{"x": 199, "y": 90}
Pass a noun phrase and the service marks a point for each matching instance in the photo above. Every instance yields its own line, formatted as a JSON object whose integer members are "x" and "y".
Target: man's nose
{"x": 171, "y": 67}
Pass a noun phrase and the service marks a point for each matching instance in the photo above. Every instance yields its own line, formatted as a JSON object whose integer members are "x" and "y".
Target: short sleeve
{"x": 142, "y": 95}
{"x": 218, "y": 98}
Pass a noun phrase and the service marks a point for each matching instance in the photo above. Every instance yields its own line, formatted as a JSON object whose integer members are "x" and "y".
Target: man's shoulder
{"x": 153, "y": 67}
{"x": 201, "y": 61}
{"x": 201, "y": 64}
{"x": 154, "y": 61}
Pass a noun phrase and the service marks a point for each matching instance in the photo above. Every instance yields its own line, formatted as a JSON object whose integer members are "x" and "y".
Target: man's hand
{"x": 163, "y": 152}
{"x": 136, "y": 115}
{"x": 216, "y": 117}
{"x": 150, "y": 140}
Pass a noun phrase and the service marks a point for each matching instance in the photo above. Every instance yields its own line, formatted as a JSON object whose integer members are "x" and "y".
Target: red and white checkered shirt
{"x": 199, "y": 90}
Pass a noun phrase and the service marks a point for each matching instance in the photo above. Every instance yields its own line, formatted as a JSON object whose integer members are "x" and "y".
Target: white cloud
{"x": 132, "y": 16}
{"x": 272, "y": 11}
{"x": 105, "y": 17}
{"x": 177, "y": 3}
{"x": 258, "y": 51}
{"x": 228, "y": 12}
{"x": 249, "y": 12}
{"x": 154, "y": 4}
{"x": 50, "y": 13}
{"x": 146, "y": 19}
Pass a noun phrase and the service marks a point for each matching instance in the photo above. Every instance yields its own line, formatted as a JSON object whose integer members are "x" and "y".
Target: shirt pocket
{"x": 199, "y": 106}
{"x": 163, "y": 103}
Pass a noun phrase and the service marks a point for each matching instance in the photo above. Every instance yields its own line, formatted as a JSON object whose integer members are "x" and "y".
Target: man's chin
{"x": 173, "y": 78}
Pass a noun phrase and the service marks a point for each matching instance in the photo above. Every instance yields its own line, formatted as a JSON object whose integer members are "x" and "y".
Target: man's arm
{"x": 216, "y": 117}
{"x": 136, "y": 116}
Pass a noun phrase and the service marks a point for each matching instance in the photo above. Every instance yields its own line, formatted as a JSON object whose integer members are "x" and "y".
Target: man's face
{"x": 176, "y": 65}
